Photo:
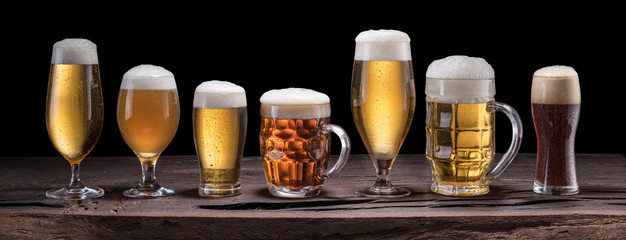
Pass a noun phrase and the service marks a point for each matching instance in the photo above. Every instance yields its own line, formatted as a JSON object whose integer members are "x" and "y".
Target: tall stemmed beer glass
{"x": 74, "y": 110}
{"x": 148, "y": 112}
{"x": 383, "y": 102}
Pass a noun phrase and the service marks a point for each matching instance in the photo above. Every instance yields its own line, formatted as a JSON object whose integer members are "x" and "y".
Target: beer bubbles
{"x": 74, "y": 51}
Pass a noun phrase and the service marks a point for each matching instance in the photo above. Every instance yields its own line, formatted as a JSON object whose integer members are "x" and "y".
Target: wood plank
{"x": 510, "y": 210}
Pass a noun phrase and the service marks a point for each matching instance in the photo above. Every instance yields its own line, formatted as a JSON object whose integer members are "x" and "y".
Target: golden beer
{"x": 383, "y": 106}
{"x": 220, "y": 135}
{"x": 74, "y": 109}
{"x": 460, "y": 126}
{"x": 460, "y": 142}
{"x": 383, "y": 102}
{"x": 148, "y": 120}
{"x": 295, "y": 151}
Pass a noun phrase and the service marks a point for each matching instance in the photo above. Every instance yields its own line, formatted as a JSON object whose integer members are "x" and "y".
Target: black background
{"x": 268, "y": 47}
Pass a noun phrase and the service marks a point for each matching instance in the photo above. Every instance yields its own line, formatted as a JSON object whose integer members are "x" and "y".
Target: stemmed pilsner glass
{"x": 74, "y": 110}
{"x": 383, "y": 102}
{"x": 148, "y": 112}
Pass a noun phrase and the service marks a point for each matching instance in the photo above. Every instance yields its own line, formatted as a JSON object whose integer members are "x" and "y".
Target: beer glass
{"x": 555, "y": 101}
{"x": 460, "y": 130}
{"x": 74, "y": 110}
{"x": 295, "y": 142}
{"x": 383, "y": 102}
{"x": 220, "y": 119}
{"x": 147, "y": 115}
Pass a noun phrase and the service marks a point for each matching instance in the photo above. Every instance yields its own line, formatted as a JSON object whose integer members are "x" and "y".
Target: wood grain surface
{"x": 510, "y": 211}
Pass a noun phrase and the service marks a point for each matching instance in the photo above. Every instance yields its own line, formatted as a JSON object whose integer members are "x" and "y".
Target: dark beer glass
{"x": 555, "y": 101}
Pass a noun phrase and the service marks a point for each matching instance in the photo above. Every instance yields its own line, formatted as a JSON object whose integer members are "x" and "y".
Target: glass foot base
{"x": 304, "y": 192}
{"x": 219, "y": 191}
{"x": 75, "y": 194}
{"x": 383, "y": 192}
{"x": 459, "y": 190}
{"x": 554, "y": 190}
{"x": 139, "y": 192}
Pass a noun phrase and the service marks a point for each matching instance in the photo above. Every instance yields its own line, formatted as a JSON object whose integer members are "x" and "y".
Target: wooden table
{"x": 510, "y": 210}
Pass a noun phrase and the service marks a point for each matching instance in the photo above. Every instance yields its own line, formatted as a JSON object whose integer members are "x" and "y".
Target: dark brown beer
{"x": 555, "y": 99}
{"x": 555, "y": 125}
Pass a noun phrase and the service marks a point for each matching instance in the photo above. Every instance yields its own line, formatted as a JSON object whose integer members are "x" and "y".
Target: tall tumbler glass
{"x": 74, "y": 110}
{"x": 460, "y": 126}
{"x": 220, "y": 120}
{"x": 555, "y": 101}
{"x": 383, "y": 102}
{"x": 148, "y": 112}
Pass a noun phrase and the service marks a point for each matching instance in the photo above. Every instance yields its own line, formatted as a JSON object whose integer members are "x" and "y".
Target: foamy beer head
{"x": 295, "y": 103}
{"x": 460, "y": 79}
{"x": 148, "y": 77}
{"x": 219, "y": 94}
{"x": 555, "y": 85}
{"x": 74, "y": 51}
{"x": 382, "y": 45}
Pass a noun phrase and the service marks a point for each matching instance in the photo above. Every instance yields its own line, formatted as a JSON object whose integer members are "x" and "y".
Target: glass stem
{"x": 382, "y": 174}
{"x": 148, "y": 175}
{"x": 75, "y": 181}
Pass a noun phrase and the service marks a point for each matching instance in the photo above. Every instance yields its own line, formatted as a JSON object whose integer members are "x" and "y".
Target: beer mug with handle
{"x": 460, "y": 124}
{"x": 295, "y": 142}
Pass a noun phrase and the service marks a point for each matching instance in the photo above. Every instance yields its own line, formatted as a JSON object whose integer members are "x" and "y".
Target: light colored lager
{"x": 383, "y": 106}
{"x": 295, "y": 141}
{"x": 460, "y": 126}
{"x": 461, "y": 142}
{"x": 220, "y": 120}
{"x": 74, "y": 110}
{"x": 383, "y": 102}
{"x": 148, "y": 112}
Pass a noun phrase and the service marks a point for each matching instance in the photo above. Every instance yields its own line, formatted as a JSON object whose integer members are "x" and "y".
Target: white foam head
{"x": 74, "y": 51}
{"x": 148, "y": 77}
{"x": 295, "y": 103}
{"x": 382, "y": 45}
{"x": 219, "y": 94}
{"x": 460, "y": 79}
{"x": 555, "y": 85}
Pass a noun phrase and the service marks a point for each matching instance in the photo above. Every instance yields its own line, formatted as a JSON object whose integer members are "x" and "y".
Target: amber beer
{"x": 555, "y": 108}
{"x": 220, "y": 120}
{"x": 148, "y": 112}
{"x": 74, "y": 109}
{"x": 295, "y": 141}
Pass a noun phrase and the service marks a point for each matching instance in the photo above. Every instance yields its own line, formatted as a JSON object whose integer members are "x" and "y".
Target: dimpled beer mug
{"x": 295, "y": 142}
{"x": 460, "y": 130}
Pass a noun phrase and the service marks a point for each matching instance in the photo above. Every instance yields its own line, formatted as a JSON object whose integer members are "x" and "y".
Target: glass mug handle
{"x": 345, "y": 149}
{"x": 516, "y": 140}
